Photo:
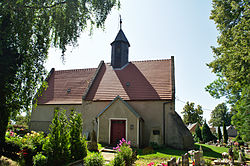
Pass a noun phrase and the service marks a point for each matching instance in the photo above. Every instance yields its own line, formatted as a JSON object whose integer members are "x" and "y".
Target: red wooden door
{"x": 118, "y": 131}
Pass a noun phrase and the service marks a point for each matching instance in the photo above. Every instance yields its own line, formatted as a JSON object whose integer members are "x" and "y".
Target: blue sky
{"x": 156, "y": 30}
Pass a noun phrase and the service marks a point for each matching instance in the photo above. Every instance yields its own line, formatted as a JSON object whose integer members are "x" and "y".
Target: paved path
{"x": 108, "y": 154}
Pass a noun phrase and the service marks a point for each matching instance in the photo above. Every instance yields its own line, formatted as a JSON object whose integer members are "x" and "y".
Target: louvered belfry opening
{"x": 119, "y": 53}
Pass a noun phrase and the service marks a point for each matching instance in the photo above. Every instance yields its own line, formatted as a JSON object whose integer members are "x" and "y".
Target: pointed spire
{"x": 121, "y": 37}
{"x": 119, "y": 52}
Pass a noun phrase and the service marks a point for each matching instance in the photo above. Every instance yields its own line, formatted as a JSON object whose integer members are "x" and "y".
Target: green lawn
{"x": 161, "y": 155}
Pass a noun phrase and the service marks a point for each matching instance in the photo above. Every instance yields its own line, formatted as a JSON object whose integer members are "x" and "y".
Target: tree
{"x": 225, "y": 135}
{"x": 206, "y": 133}
{"x": 191, "y": 114}
{"x": 65, "y": 142}
{"x": 22, "y": 120}
{"x": 78, "y": 148}
{"x": 27, "y": 30}
{"x": 198, "y": 132}
{"x": 57, "y": 146}
{"x": 219, "y": 133}
{"x": 231, "y": 61}
{"x": 220, "y": 114}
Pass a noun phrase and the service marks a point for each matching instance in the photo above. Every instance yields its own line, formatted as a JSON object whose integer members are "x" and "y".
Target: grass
{"x": 164, "y": 154}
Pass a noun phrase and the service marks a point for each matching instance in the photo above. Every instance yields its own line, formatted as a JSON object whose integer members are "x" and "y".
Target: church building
{"x": 134, "y": 100}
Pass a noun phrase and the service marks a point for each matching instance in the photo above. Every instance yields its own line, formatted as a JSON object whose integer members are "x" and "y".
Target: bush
{"x": 125, "y": 152}
{"x": 40, "y": 160}
{"x": 78, "y": 146}
{"x": 239, "y": 140}
{"x": 57, "y": 145}
{"x": 96, "y": 159}
{"x": 148, "y": 150}
{"x": 154, "y": 145}
{"x": 118, "y": 161}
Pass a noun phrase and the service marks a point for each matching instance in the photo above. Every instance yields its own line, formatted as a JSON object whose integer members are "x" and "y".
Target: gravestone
{"x": 178, "y": 162}
{"x": 185, "y": 160}
{"x": 202, "y": 161}
{"x": 172, "y": 162}
{"x": 92, "y": 145}
{"x": 197, "y": 158}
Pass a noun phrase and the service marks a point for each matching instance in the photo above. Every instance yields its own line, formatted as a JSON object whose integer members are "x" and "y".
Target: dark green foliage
{"x": 57, "y": 147}
{"x": 225, "y": 135}
{"x": 40, "y": 160}
{"x": 11, "y": 148}
{"x": 78, "y": 146}
{"x": 95, "y": 159}
{"x": 206, "y": 133}
{"x": 127, "y": 154}
{"x": 22, "y": 120}
{"x": 198, "y": 132}
{"x": 231, "y": 61}
{"x": 27, "y": 30}
{"x": 219, "y": 134}
{"x": 192, "y": 115}
{"x": 238, "y": 138}
{"x": 118, "y": 161}
{"x": 220, "y": 114}
{"x": 65, "y": 142}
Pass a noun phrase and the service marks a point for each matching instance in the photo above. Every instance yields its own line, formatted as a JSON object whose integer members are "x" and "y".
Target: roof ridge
{"x": 67, "y": 70}
{"x": 151, "y": 60}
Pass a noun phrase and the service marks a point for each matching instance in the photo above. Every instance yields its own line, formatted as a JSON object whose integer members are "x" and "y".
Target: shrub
{"x": 125, "y": 152}
{"x": 148, "y": 150}
{"x": 96, "y": 159}
{"x": 154, "y": 145}
{"x": 238, "y": 138}
{"x": 78, "y": 146}
{"x": 118, "y": 161}
{"x": 208, "y": 163}
{"x": 57, "y": 145}
{"x": 40, "y": 160}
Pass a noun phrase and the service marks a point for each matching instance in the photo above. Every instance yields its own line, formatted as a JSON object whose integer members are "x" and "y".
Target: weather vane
{"x": 120, "y": 22}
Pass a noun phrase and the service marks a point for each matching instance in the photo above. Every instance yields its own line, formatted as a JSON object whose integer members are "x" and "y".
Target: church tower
{"x": 119, "y": 52}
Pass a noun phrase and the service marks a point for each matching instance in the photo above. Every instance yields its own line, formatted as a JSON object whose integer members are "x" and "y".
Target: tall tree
{"x": 192, "y": 115}
{"x": 198, "y": 132}
{"x": 27, "y": 30}
{"x": 206, "y": 133}
{"x": 219, "y": 115}
{"x": 225, "y": 135}
{"x": 231, "y": 59}
{"x": 219, "y": 133}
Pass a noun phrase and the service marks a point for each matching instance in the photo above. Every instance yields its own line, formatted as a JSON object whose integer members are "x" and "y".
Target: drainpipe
{"x": 163, "y": 124}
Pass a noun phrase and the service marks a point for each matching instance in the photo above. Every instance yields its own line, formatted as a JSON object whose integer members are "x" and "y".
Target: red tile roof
{"x": 141, "y": 80}
{"x": 67, "y": 86}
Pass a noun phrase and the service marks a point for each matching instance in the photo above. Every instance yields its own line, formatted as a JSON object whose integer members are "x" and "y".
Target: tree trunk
{"x": 4, "y": 119}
